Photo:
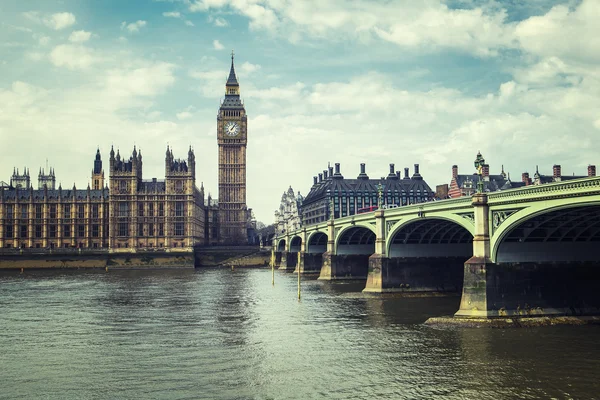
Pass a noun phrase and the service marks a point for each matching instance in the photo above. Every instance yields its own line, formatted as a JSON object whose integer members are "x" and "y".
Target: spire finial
{"x": 232, "y": 79}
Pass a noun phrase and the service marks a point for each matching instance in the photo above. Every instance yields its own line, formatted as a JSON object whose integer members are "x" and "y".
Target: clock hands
{"x": 231, "y": 129}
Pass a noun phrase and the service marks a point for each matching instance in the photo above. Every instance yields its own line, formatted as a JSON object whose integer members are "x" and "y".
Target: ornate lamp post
{"x": 379, "y": 195}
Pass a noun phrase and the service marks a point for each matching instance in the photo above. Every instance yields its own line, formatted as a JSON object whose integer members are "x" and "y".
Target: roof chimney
{"x": 337, "y": 174}
{"x": 591, "y": 170}
{"x": 416, "y": 175}
{"x": 455, "y": 171}
{"x": 330, "y": 171}
{"x": 556, "y": 172}
{"x": 525, "y": 178}
{"x": 406, "y": 173}
{"x": 314, "y": 180}
{"x": 363, "y": 174}
{"x": 392, "y": 174}
{"x": 485, "y": 172}
{"x": 320, "y": 177}
{"x": 324, "y": 174}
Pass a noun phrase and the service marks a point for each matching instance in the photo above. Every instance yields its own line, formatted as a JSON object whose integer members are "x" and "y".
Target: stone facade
{"x": 232, "y": 138}
{"x": 289, "y": 215}
{"x": 136, "y": 214}
{"x": 332, "y": 192}
{"x": 154, "y": 213}
{"x": 51, "y": 218}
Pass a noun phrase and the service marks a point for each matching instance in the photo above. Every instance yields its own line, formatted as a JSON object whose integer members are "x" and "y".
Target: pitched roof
{"x": 495, "y": 183}
{"x": 365, "y": 187}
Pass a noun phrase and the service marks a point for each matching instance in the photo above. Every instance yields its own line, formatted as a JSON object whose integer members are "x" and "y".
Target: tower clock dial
{"x": 231, "y": 128}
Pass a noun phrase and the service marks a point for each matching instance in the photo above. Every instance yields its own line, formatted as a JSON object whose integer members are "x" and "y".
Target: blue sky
{"x": 404, "y": 82}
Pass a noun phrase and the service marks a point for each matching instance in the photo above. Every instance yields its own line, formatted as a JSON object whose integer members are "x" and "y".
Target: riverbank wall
{"x": 238, "y": 256}
{"x": 97, "y": 259}
{"x": 74, "y": 258}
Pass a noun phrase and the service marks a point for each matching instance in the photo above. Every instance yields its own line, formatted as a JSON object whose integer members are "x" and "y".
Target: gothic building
{"x": 232, "y": 138}
{"x": 349, "y": 196}
{"x": 154, "y": 213}
{"x": 289, "y": 214}
{"x": 52, "y": 218}
{"x": 139, "y": 214}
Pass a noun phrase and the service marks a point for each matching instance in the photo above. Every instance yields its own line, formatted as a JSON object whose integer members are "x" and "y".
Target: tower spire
{"x": 232, "y": 79}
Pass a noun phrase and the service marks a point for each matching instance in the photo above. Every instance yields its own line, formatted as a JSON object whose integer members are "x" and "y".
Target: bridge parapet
{"x": 564, "y": 189}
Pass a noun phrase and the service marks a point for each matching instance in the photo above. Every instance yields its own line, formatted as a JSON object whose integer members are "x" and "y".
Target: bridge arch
{"x": 295, "y": 244}
{"x": 547, "y": 233}
{"x": 317, "y": 242}
{"x": 356, "y": 239}
{"x": 281, "y": 245}
{"x": 436, "y": 235}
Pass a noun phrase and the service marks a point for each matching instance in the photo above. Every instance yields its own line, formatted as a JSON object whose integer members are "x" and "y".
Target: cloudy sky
{"x": 348, "y": 81}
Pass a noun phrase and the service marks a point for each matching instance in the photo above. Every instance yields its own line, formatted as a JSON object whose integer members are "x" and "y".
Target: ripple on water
{"x": 218, "y": 334}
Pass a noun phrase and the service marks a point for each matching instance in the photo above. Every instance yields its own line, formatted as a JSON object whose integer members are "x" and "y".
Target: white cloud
{"x": 80, "y": 36}
{"x": 133, "y": 27}
{"x": 217, "y": 45}
{"x": 248, "y": 68}
{"x": 564, "y": 32}
{"x": 184, "y": 115}
{"x": 73, "y": 56}
{"x": 218, "y": 21}
{"x": 427, "y": 24}
{"x": 59, "y": 21}
{"x": 145, "y": 81}
{"x": 44, "y": 40}
{"x": 172, "y": 14}
{"x": 34, "y": 56}
{"x": 189, "y": 23}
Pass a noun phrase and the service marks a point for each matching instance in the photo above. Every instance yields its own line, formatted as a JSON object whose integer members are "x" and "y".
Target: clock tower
{"x": 232, "y": 137}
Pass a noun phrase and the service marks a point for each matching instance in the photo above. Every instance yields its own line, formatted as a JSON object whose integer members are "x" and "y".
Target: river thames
{"x": 222, "y": 334}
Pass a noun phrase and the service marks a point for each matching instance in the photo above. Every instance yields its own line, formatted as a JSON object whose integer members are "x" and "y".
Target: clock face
{"x": 231, "y": 128}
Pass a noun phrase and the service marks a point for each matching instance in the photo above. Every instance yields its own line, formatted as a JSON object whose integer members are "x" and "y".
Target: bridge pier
{"x": 309, "y": 263}
{"x": 277, "y": 259}
{"x": 344, "y": 266}
{"x": 529, "y": 289}
{"x": 288, "y": 261}
{"x": 414, "y": 274}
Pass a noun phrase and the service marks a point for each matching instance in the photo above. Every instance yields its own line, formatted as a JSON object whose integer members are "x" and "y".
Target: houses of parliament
{"x": 126, "y": 212}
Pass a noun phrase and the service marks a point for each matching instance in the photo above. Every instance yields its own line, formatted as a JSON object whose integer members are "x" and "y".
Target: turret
{"x": 98, "y": 172}
{"x": 192, "y": 162}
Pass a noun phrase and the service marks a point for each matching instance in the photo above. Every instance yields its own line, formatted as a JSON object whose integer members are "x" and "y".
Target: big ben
{"x": 232, "y": 137}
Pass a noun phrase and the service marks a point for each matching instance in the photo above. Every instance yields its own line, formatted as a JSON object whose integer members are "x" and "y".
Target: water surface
{"x": 222, "y": 334}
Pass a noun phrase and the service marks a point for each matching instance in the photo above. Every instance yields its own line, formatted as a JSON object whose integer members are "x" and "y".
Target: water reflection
{"x": 222, "y": 334}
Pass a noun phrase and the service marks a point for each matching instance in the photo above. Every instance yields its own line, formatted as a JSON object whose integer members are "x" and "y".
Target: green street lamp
{"x": 379, "y": 195}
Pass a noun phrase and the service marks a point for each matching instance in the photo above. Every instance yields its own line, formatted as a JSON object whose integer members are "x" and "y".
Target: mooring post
{"x": 298, "y": 279}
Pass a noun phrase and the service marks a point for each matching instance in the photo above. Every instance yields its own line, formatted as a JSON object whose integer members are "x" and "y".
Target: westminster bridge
{"x": 527, "y": 251}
